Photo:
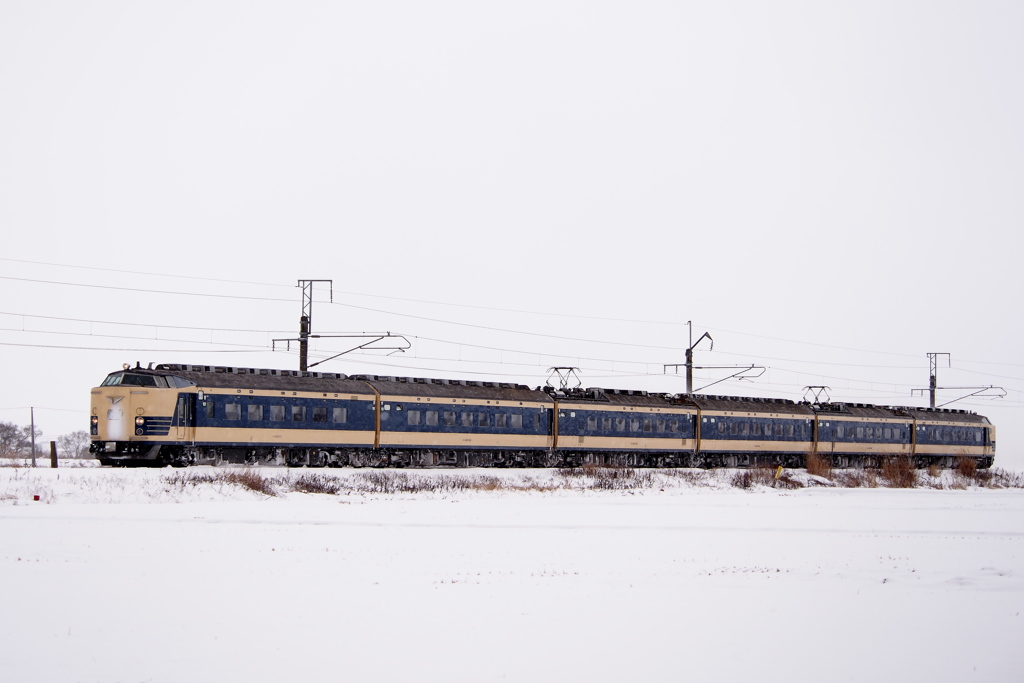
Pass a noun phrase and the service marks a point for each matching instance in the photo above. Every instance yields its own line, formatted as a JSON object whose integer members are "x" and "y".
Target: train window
{"x": 620, "y": 424}
{"x": 860, "y": 432}
{"x": 339, "y": 415}
{"x": 431, "y": 418}
{"x": 414, "y": 417}
{"x": 887, "y": 435}
{"x": 721, "y": 427}
{"x": 606, "y": 424}
{"x": 128, "y": 379}
{"x": 536, "y": 421}
{"x": 466, "y": 419}
{"x": 319, "y": 413}
{"x": 634, "y": 425}
{"x": 298, "y": 413}
{"x": 734, "y": 428}
{"x": 592, "y": 422}
{"x": 449, "y": 418}
{"x": 209, "y": 409}
{"x": 515, "y": 421}
{"x": 778, "y": 430}
{"x": 647, "y": 424}
{"x": 840, "y": 431}
{"x": 789, "y": 430}
{"x": 659, "y": 425}
{"x": 673, "y": 425}
{"x": 483, "y": 419}
{"x": 232, "y": 411}
{"x": 500, "y": 420}
{"x": 977, "y": 436}
{"x": 277, "y": 413}
{"x": 756, "y": 428}
{"x": 744, "y": 429}
{"x": 254, "y": 412}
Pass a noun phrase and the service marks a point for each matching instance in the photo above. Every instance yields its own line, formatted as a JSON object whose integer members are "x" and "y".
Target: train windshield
{"x": 134, "y": 380}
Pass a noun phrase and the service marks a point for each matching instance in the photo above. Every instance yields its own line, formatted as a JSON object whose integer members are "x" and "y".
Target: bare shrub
{"x": 785, "y": 481}
{"x": 690, "y": 476}
{"x": 570, "y": 472}
{"x": 934, "y": 471}
{"x": 857, "y": 479}
{"x": 1000, "y": 479}
{"x": 620, "y": 478}
{"x": 966, "y": 467}
{"x": 899, "y": 472}
{"x": 314, "y": 482}
{"x": 250, "y": 479}
{"x": 818, "y": 465}
{"x": 755, "y": 476}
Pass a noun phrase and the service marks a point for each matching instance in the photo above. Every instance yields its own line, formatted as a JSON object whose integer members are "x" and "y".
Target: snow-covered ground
{"x": 146, "y": 575}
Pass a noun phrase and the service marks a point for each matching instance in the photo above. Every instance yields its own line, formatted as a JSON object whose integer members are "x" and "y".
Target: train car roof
{"x": 945, "y": 415}
{"x": 260, "y": 378}
{"x": 746, "y": 404}
{"x": 618, "y": 397}
{"x": 864, "y": 410}
{"x": 451, "y": 388}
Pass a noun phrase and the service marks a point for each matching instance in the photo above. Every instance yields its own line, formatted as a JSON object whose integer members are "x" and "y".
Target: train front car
{"x": 135, "y": 415}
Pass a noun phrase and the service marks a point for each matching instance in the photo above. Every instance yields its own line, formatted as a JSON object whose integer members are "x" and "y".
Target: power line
{"x": 127, "y": 324}
{"x": 147, "y": 291}
{"x": 98, "y": 348}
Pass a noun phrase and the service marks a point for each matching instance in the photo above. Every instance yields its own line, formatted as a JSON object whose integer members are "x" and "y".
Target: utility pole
{"x": 32, "y": 426}
{"x": 690, "y": 366}
{"x": 306, "y": 319}
{"x": 306, "y": 331}
{"x": 689, "y": 356}
{"x": 933, "y": 384}
{"x": 933, "y": 374}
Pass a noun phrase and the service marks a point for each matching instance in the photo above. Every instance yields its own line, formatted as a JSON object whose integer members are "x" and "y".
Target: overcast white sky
{"x": 832, "y": 190}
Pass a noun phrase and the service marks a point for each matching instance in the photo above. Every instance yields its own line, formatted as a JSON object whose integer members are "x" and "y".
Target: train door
{"x": 825, "y": 441}
{"x": 185, "y": 418}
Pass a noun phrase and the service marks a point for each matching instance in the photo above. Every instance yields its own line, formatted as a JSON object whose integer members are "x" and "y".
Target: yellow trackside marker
{"x": 778, "y": 473}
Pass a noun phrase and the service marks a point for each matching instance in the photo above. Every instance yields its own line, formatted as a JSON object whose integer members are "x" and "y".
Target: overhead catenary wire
{"x": 448, "y": 322}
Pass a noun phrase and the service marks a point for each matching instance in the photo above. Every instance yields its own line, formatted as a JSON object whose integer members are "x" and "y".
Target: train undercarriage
{"x": 132, "y": 455}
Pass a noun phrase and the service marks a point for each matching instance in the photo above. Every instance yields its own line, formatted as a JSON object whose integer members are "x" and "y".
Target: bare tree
{"x": 73, "y": 445}
{"x": 14, "y": 440}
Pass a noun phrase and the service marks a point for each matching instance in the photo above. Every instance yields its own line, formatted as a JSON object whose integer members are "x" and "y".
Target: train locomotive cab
{"x": 136, "y": 413}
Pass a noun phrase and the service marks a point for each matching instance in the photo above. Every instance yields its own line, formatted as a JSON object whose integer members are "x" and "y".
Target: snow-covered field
{"x": 146, "y": 575}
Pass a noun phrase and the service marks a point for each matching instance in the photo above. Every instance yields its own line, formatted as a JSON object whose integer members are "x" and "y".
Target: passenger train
{"x": 197, "y": 414}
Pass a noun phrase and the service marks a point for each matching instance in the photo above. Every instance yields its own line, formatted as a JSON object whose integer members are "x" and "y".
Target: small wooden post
{"x": 53, "y": 454}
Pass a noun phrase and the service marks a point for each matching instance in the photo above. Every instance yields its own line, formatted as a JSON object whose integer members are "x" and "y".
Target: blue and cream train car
{"x": 190, "y": 414}
{"x": 427, "y": 422}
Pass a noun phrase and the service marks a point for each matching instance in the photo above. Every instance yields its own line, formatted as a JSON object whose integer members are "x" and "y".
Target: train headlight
{"x": 94, "y": 420}
{"x": 140, "y": 421}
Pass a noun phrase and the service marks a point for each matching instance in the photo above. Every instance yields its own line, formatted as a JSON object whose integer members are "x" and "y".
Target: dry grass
{"x": 818, "y": 465}
{"x": 315, "y": 482}
{"x": 899, "y": 472}
{"x": 853, "y": 479}
{"x": 966, "y": 467}
{"x": 755, "y": 476}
